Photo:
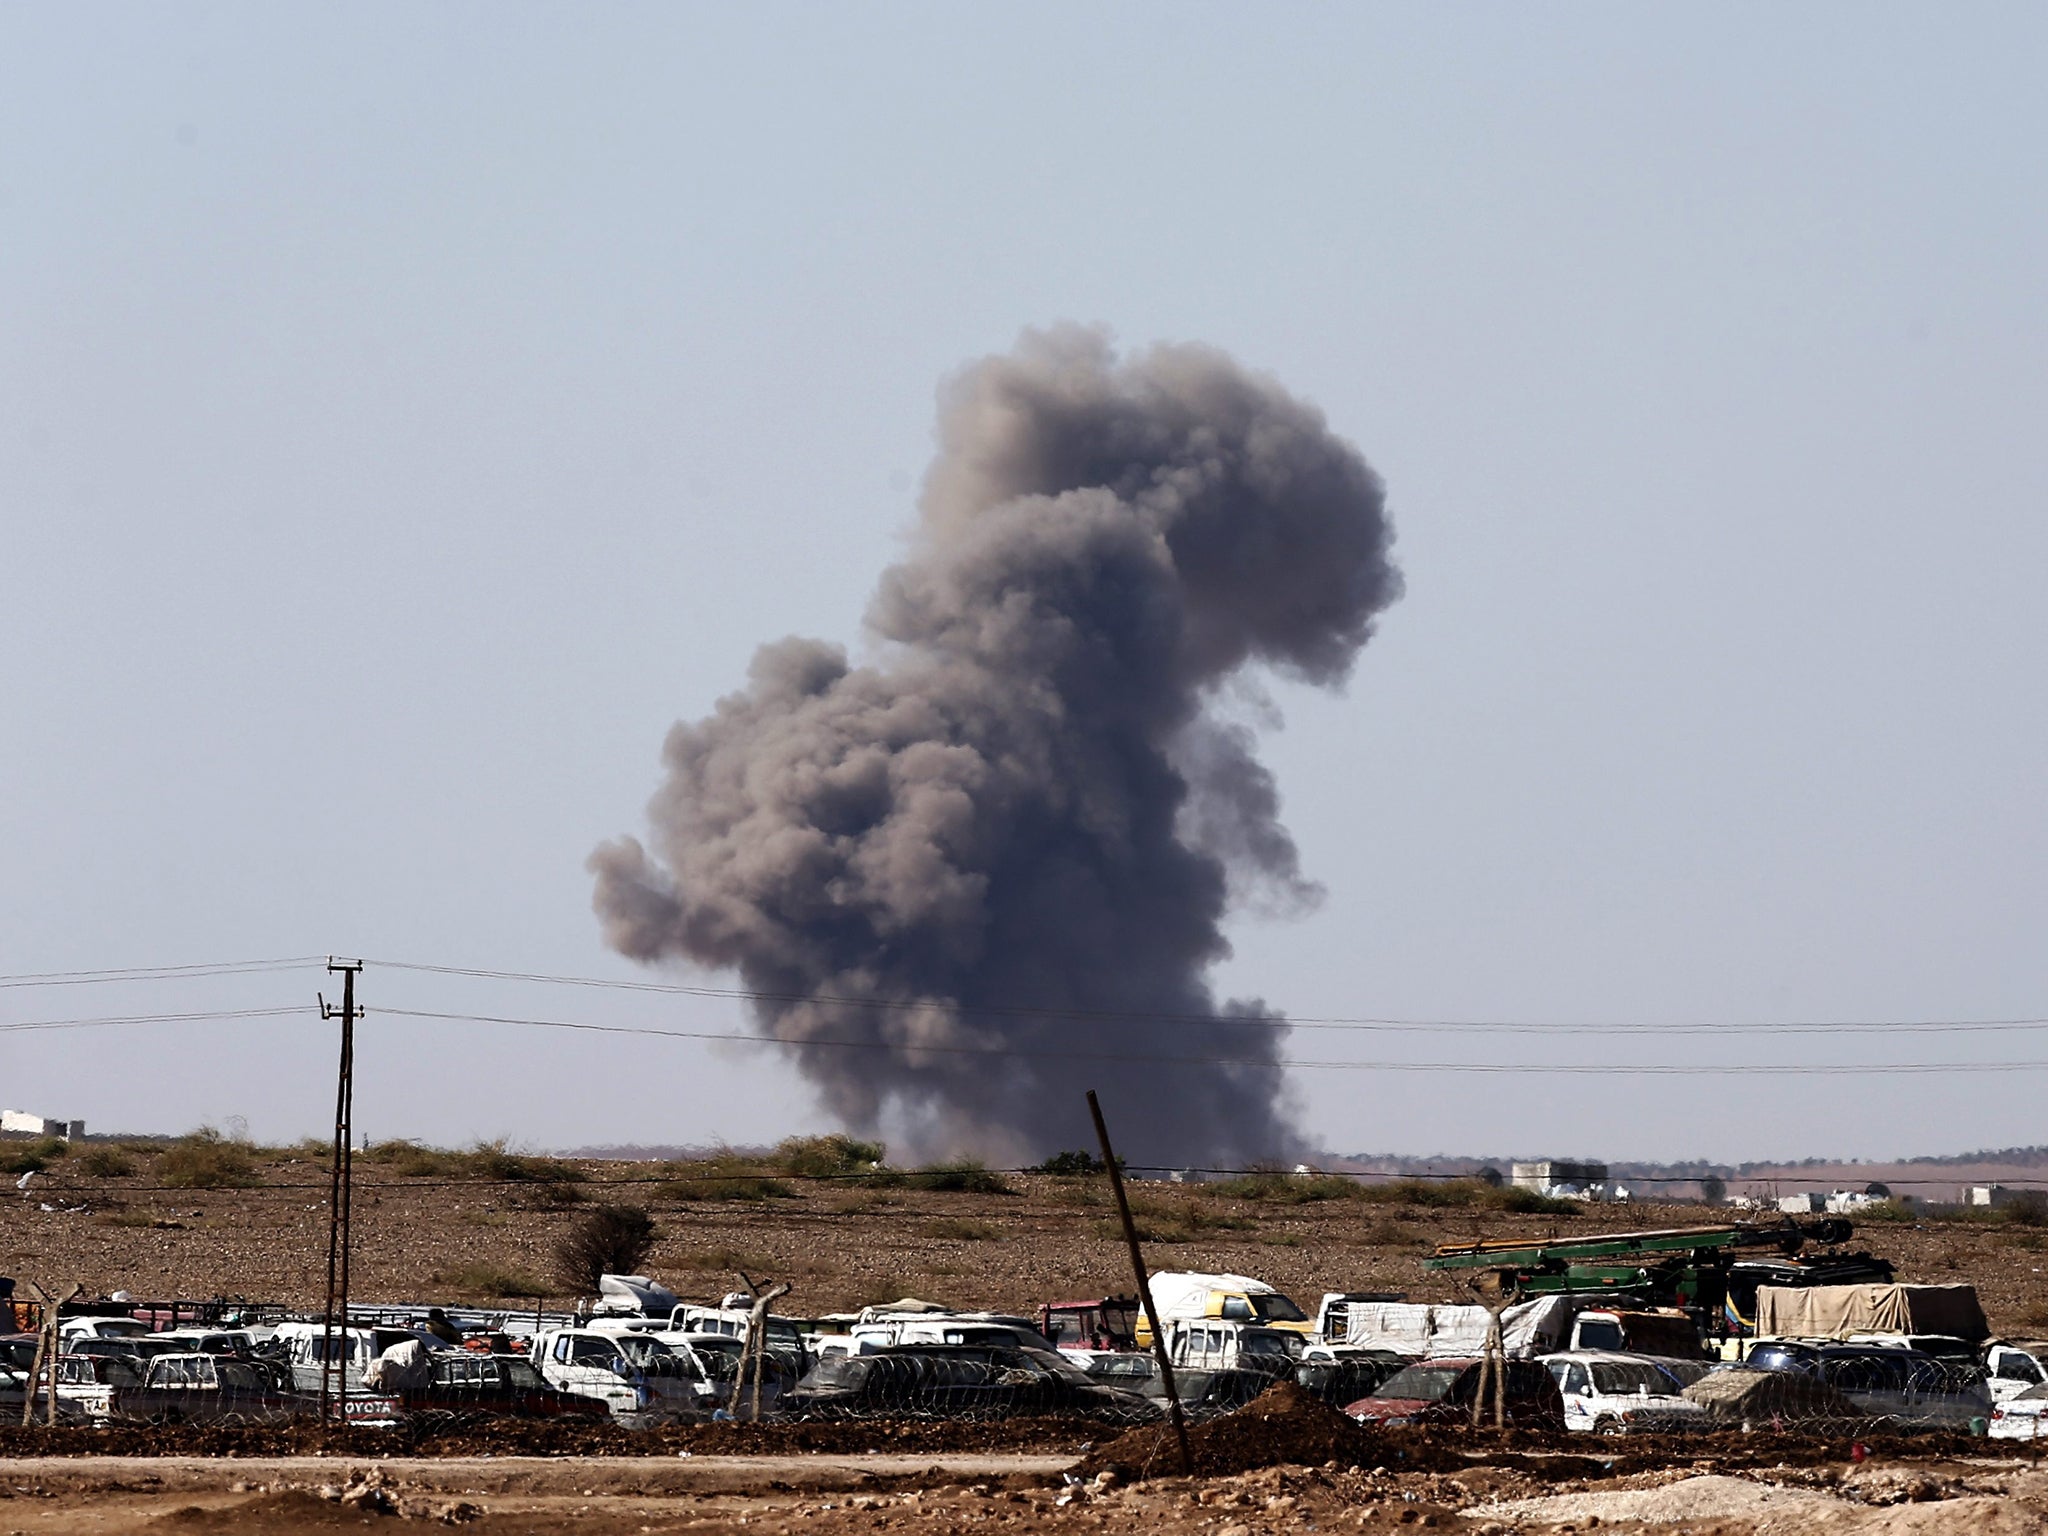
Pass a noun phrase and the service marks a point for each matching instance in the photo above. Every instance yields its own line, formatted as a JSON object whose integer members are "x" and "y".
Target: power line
{"x": 157, "y": 972}
{"x": 1732, "y": 1069}
{"x": 202, "y": 1016}
{"x": 1263, "y": 1021}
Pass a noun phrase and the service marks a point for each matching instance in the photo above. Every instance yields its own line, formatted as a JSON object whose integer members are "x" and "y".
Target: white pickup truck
{"x": 638, "y": 1377}
{"x": 2013, "y": 1369}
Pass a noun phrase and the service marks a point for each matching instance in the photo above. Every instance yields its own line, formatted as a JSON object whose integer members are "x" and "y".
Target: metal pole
{"x": 340, "y": 1191}
{"x": 1159, "y": 1349}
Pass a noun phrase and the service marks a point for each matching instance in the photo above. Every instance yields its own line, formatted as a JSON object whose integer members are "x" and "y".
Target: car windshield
{"x": 1272, "y": 1307}
{"x": 1055, "y": 1362}
{"x": 1625, "y": 1378}
{"x": 654, "y": 1357}
{"x": 132, "y": 1349}
{"x": 1270, "y": 1344}
{"x": 1423, "y": 1383}
{"x": 1123, "y": 1368}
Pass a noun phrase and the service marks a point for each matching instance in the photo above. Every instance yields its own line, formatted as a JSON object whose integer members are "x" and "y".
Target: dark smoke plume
{"x": 1030, "y": 803}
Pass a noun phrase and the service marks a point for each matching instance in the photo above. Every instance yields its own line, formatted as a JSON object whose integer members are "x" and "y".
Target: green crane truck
{"x": 1712, "y": 1272}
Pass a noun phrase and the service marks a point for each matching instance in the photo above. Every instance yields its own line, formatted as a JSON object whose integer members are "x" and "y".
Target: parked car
{"x": 1610, "y": 1393}
{"x": 86, "y": 1383}
{"x": 1339, "y": 1374}
{"x": 2013, "y": 1369}
{"x": 639, "y": 1379}
{"x": 955, "y": 1381}
{"x": 17, "y": 1359}
{"x": 2024, "y": 1417}
{"x": 101, "y": 1328}
{"x": 722, "y": 1355}
{"x": 464, "y": 1383}
{"x": 203, "y": 1389}
{"x": 1441, "y": 1392}
{"x": 1200, "y": 1390}
{"x": 1904, "y": 1386}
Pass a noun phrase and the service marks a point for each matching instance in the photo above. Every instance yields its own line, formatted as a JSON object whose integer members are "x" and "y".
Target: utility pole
{"x": 1159, "y": 1350}
{"x": 340, "y": 1192}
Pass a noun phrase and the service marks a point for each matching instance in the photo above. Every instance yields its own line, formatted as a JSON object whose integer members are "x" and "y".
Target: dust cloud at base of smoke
{"x": 1005, "y": 850}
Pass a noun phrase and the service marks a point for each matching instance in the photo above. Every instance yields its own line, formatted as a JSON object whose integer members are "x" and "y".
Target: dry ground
{"x": 988, "y": 1496}
{"x": 842, "y": 1244}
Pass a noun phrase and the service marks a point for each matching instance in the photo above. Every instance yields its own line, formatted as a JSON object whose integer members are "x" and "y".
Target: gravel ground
{"x": 842, "y": 1246}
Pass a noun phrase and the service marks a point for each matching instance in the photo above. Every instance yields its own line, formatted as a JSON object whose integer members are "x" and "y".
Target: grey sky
{"x": 406, "y": 413}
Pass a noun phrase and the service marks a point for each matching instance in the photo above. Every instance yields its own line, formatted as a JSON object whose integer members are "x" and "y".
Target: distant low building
{"x": 1802, "y": 1205}
{"x": 1553, "y": 1175}
{"x": 1992, "y": 1196}
{"x": 19, "y": 1122}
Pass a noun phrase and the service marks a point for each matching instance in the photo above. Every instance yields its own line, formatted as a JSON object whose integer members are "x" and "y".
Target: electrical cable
{"x": 1507, "y": 1026}
{"x": 1728, "y": 1069}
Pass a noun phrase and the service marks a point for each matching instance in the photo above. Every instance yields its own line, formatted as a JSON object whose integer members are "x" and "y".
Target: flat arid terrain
{"x": 207, "y": 1218}
{"x": 216, "y": 1218}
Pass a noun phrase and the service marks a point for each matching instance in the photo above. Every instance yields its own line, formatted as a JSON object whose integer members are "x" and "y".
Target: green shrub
{"x": 205, "y": 1159}
{"x": 1281, "y": 1188}
{"x": 1068, "y": 1165}
{"x": 828, "y": 1157}
{"x": 737, "y": 1186}
{"x": 490, "y": 1160}
{"x": 1526, "y": 1202}
{"x": 965, "y": 1177}
{"x": 606, "y": 1240}
{"x": 2026, "y": 1208}
{"x": 106, "y": 1161}
{"x": 31, "y": 1156}
{"x": 410, "y": 1160}
{"x": 724, "y": 1175}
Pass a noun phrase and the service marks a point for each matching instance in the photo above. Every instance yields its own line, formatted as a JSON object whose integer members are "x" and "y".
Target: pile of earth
{"x": 1281, "y": 1426}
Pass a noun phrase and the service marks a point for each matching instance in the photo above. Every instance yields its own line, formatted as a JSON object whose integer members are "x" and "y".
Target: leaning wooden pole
{"x": 1159, "y": 1349}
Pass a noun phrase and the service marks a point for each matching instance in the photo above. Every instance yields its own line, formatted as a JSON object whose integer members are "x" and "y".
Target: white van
{"x": 1220, "y": 1346}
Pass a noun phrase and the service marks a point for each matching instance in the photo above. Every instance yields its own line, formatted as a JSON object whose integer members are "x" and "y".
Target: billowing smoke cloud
{"x": 1021, "y": 826}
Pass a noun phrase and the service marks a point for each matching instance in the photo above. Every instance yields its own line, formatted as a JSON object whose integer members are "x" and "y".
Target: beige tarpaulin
{"x": 1836, "y": 1311}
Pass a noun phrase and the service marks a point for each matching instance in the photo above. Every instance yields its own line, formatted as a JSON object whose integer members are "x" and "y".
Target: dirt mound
{"x": 1281, "y": 1426}
{"x": 279, "y": 1512}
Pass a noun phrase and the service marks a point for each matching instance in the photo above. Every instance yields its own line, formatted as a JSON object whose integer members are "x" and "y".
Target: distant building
{"x": 1552, "y": 1176}
{"x": 1802, "y": 1205}
{"x": 19, "y": 1122}
{"x": 1993, "y": 1196}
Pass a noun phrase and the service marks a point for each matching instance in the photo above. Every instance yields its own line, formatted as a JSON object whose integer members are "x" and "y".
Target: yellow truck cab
{"x": 1183, "y": 1296}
